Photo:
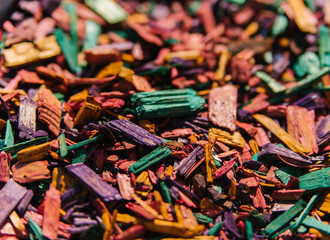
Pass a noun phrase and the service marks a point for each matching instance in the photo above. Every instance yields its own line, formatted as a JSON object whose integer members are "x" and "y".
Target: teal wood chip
{"x": 152, "y": 158}
{"x": 9, "y": 138}
{"x": 316, "y": 180}
{"x": 284, "y": 219}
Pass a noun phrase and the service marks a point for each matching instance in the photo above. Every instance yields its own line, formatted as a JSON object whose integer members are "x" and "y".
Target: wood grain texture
{"x": 51, "y": 220}
{"x": 301, "y": 126}
{"x": 222, "y": 106}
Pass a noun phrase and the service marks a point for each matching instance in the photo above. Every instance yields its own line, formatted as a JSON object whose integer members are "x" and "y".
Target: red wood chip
{"x": 51, "y": 220}
{"x": 50, "y": 112}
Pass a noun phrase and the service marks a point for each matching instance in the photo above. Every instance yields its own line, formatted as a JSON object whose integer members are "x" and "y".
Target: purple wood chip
{"x": 94, "y": 182}
{"x": 180, "y": 123}
{"x": 24, "y": 203}
{"x": 323, "y": 130}
{"x": 271, "y": 152}
{"x": 279, "y": 67}
{"x": 189, "y": 162}
{"x": 230, "y": 224}
{"x": 10, "y": 195}
{"x": 134, "y": 132}
{"x": 311, "y": 101}
{"x": 184, "y": 190}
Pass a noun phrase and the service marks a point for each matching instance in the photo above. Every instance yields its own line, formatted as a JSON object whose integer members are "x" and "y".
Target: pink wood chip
{"x": 222, "y": 106}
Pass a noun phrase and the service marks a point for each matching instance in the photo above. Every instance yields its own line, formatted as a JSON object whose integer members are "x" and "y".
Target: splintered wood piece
{"x": 10, "y": 195}
{"x": 258, "y": 198}
{"x": 51, "y": 220}
{"x": 4, "y": 168}
{"x": 271, "y": 153}
{"x": 234, "y": 139}
{"x": 301, "y": 126}
{"x": 90, "y": 110}
{"x": 190, "y": 161}
{"x": 30, "y": 172}
{"x": 27, "y": 118}
{"x": 225, "y": 168}
{"x": 94, "y": 182}
{"x": 222, "y": 106}
{"x": 210, "y": 165}
{"x": 292, "y": 143}
{"x": 271, "y": 176}
{"x": 261, "y": 137}
{"x": 125, "y": 187}
{"x": 49, "y": 110}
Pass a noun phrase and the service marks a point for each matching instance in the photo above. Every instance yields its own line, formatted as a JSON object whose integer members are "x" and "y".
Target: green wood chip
{"x": 284, "y": 219}
{"x": 316, "y": 180}
{"x": 111, "y": 11}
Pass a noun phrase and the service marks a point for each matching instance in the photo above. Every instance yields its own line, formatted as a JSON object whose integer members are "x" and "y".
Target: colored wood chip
{"x": 155, "y": 156}
{"x": 134, "y": 132}
{"x": 27, "y": 118}
{"x": 283, "y": 219}
{"x": 292, "y": 143}
{"x": 288, "y": 195}
{"x": 234, "y": 139}
{"x": 316, "y": 180}
{"x": 222, "y": 106}
{"x": 51, "y": 216}
{"x": 30, "y": 172}
{"x": 90, "y": 110}
{"x": 4, "y": 168}
{"x": 124, "y": 184}
{"x": 9, "y": 139}
{"x": 167, "y": 103}
{"x": 33, "y": 153}
{"x": 302, "y": 16}
{"x": 10, "y": 195}
{"x": 49, "y": 111}
{"x": 62, "y": 145}
{"x": 301, "y": 126}
{"x": 199, "y": 120}
{"x": 93, "y": 182}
